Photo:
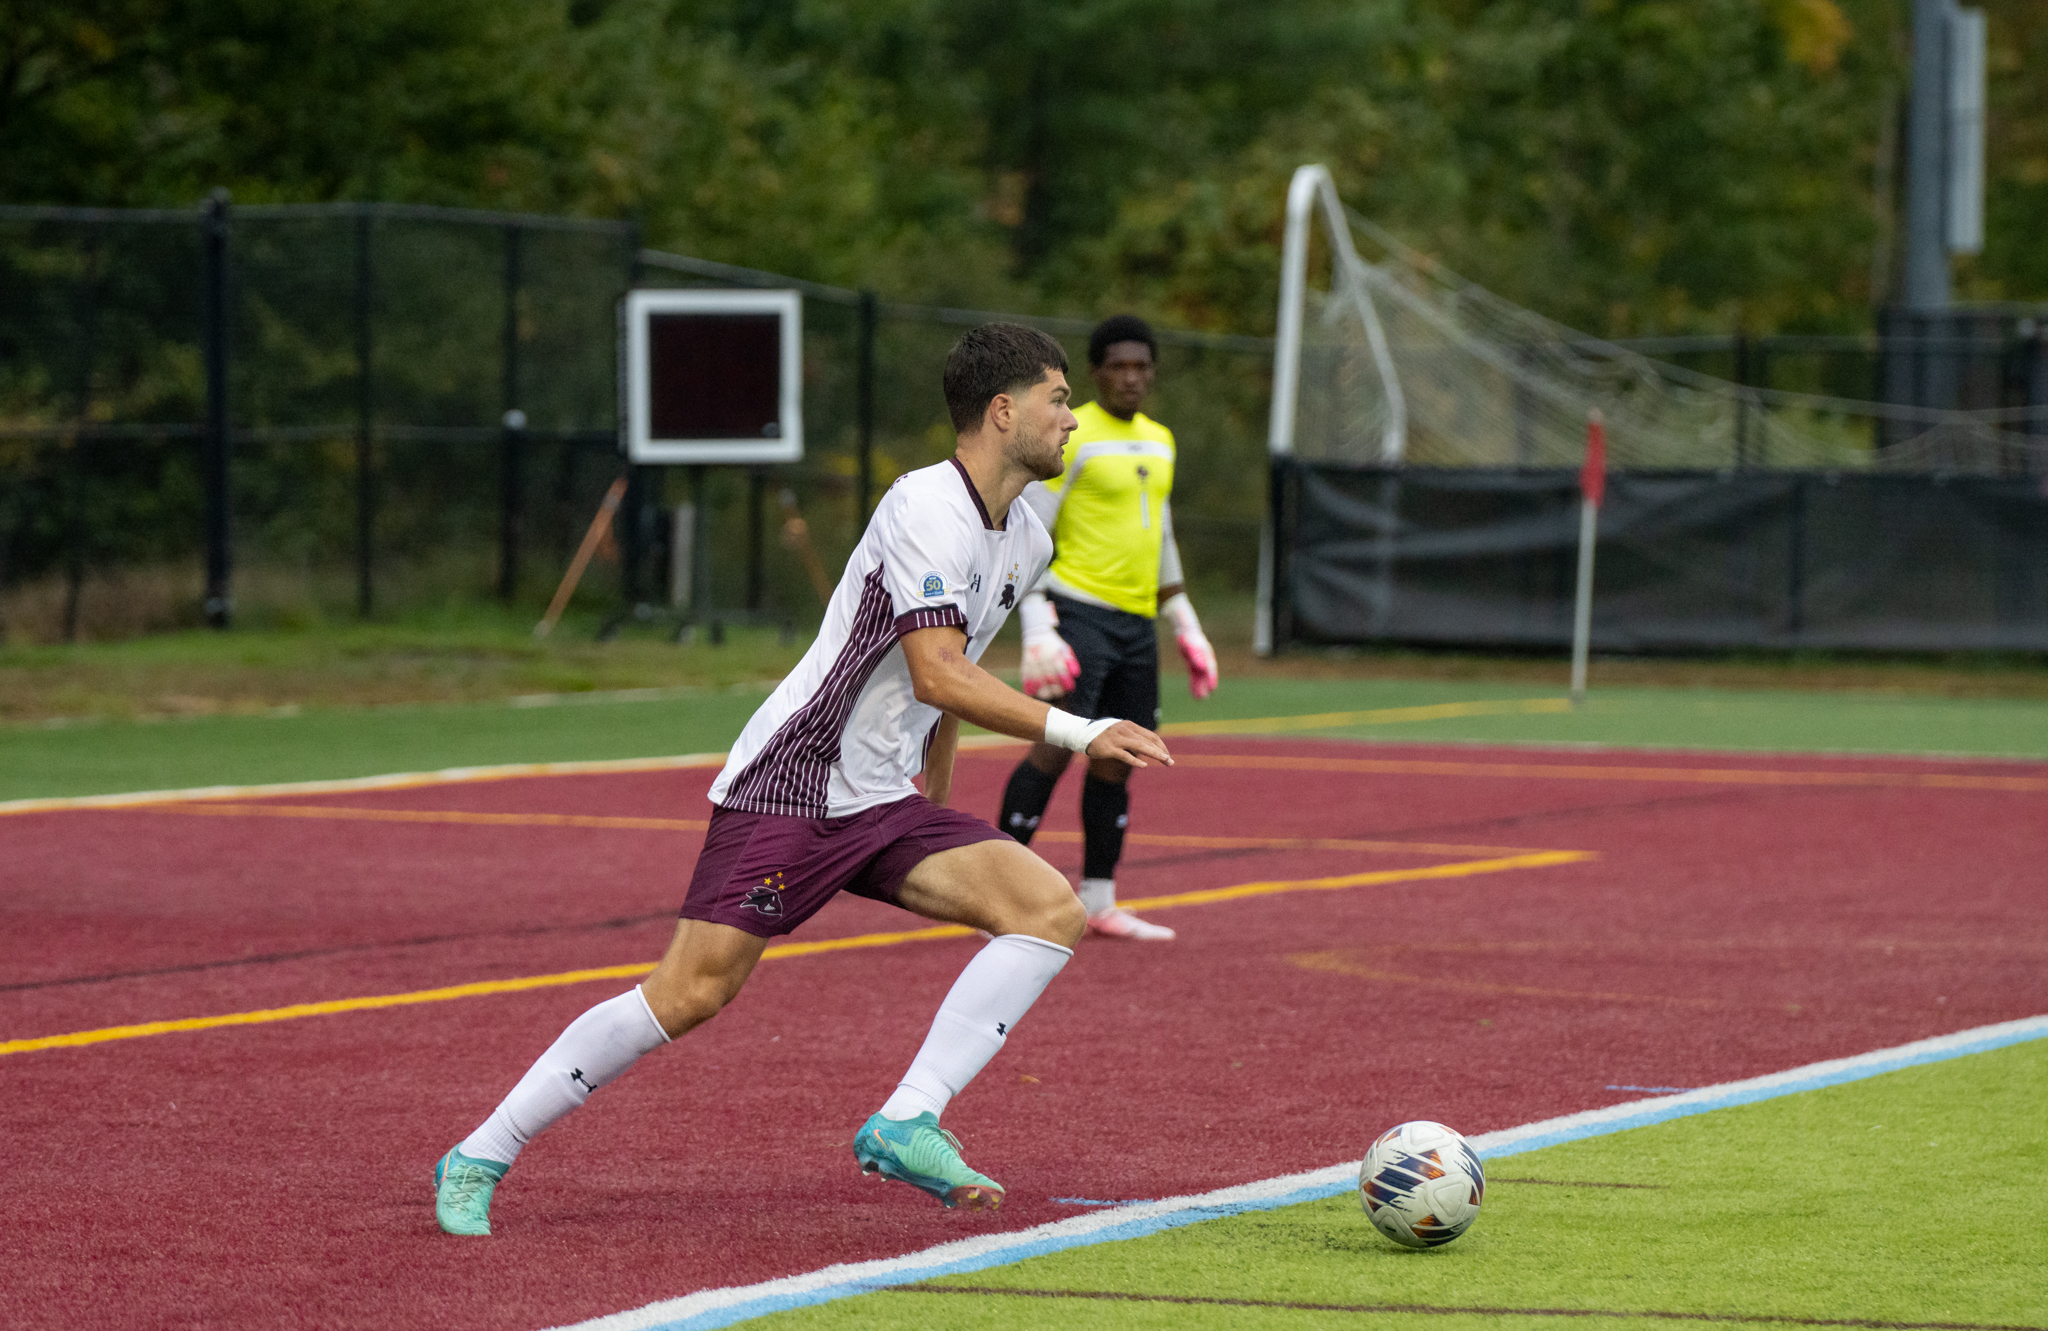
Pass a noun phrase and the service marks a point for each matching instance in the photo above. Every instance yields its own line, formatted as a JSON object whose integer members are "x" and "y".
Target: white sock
{"x": 1097, "y": 895}
{"x": 594, "y": 1049}
{"x": 992, "y": 994}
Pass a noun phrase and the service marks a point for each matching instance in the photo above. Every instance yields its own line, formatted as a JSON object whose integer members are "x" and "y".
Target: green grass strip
{"x": 316, "y": 744}
{"x": 1916, "y": 1198}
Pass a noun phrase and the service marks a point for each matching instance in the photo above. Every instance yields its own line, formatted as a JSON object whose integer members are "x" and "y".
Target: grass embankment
{"x": 1917, "y": 1198}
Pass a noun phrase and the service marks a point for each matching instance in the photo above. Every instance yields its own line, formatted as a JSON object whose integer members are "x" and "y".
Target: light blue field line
{"x": 723, "y": 1307}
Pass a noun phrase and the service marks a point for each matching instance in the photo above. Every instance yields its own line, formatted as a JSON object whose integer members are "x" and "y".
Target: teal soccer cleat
{"x": 462, "y": 1192}
{"x": 919, "y": 1152}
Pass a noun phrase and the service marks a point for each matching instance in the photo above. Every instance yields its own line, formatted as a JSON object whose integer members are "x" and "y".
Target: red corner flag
{"x": 1593, "y": 476}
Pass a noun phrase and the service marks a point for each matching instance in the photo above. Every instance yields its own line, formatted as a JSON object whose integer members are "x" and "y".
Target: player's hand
{"x": 1128, "y": 742}
{"x": 1050, "y": 667}
{"x": 1194, "y": 646}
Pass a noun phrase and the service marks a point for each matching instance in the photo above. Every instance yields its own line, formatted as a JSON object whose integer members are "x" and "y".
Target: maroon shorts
{"x": 767, "y": 873}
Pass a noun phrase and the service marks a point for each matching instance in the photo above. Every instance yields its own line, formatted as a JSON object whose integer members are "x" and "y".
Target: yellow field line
{"x": 1338, "y": 963}
{"x": 1588, "y": 772}
{"x": 1378, "y": 716}
{"x": 1538, "y": 860}
{"x": 480, "y": 988}
{"x": 461, "y": 817}
{"x": 455, "y": 816}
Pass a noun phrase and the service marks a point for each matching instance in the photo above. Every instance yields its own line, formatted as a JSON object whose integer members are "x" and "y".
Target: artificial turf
{"x": 1916, "y": 1198}
{"x": 329, "y": 743}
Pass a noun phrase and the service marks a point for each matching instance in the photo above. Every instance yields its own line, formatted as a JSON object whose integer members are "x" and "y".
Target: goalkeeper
{"x": 1089, "y": 639}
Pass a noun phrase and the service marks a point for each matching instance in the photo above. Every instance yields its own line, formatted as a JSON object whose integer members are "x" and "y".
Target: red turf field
{"x": 1733, "y": 918}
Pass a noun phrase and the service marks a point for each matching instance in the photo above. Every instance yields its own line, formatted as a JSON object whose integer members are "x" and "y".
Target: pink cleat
{"x": 1116, "y": 922}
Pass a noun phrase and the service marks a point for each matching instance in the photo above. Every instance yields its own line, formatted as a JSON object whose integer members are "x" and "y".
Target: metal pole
{"x": 864, "y": 388}
{"x": 1582, "y": 608}
{"x": 756, "y": 485}
{"x": 512, "y": 440}
{"x": 700, "y": 553}
{"x": 1592, "y": 490}
{"x": 365, "y": 407}
{"x": 220, "y": 605}
{"x": 1927, "y": 275}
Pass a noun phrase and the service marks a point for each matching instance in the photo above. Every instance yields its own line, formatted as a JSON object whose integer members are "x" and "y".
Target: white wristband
{"x": 1181, "y": 611}
{"x": 1073, "y": 732}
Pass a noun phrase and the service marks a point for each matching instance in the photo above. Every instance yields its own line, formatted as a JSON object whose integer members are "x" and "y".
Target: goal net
{"x": 1396, "y": 359}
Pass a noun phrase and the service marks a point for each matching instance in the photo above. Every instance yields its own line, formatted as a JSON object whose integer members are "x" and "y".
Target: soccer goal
{"x": 1426, "y": 436}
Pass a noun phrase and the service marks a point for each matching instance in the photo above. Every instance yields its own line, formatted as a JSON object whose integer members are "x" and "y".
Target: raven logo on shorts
{"x": 767, "y": 898}
{"x": 934, "y": 585}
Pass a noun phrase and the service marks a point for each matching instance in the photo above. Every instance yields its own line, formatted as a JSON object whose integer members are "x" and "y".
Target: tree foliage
{"x": 1627, "y": 165}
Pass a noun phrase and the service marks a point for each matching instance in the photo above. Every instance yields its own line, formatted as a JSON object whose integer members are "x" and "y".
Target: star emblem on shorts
{"x": 767, "y": 898}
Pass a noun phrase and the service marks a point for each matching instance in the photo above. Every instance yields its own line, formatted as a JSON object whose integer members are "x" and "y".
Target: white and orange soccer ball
{"x": 1421, "y": 1184}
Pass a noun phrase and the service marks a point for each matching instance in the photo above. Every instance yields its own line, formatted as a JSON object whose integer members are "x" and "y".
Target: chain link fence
{"x": 280, "y": 414}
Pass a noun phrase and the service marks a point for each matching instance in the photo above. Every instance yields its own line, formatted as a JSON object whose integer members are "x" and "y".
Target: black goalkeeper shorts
{"x": 1119, "y": 656}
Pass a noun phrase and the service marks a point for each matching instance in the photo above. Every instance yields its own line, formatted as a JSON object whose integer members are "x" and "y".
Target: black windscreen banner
{"x": 1685, "y": 559}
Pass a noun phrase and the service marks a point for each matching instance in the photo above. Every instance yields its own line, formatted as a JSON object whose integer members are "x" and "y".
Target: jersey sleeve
{"x": 927, "y": 557}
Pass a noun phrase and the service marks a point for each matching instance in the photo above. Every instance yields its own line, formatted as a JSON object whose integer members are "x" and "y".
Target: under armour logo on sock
{"x": 1002, "y": 1028}
{"x": 578, "y": 1076}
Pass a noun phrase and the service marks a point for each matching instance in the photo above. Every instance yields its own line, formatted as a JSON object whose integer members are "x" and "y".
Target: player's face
{"x": 1124, "y": 377}
{"x": 1043, "y": 424}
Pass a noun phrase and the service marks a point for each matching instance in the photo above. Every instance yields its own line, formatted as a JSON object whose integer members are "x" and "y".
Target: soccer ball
{"x": 1421, "y": 1184}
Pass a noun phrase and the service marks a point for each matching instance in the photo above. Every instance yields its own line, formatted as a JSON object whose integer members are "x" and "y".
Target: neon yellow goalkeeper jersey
{"x": 1113, "y": 509}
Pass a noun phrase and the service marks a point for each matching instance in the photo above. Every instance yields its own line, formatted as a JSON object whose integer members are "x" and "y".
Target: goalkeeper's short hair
{"x": 1119, "y": 328}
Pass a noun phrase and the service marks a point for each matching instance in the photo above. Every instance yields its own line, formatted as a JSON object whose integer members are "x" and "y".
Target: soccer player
{"x": 1089, "y": 640}
{"x": 816, "y": 797}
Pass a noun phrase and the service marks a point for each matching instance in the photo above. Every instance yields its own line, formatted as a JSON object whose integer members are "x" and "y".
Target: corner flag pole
{"x": 1592, "y": 489}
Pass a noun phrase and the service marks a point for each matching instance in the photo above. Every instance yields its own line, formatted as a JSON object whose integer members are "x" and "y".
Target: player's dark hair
{"x": 992, "y": 359}
{"x": 1119, "y": 328}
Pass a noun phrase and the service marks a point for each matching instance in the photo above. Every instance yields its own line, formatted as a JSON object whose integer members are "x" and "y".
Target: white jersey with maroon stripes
{"x": 845, "y": 731}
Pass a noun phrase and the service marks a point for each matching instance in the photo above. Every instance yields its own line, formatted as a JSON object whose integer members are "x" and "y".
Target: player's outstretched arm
{"x": 944, "y": 678}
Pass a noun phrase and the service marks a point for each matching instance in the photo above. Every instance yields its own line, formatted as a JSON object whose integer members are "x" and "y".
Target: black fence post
{"x": 632, "y": 533}
{"x": 1741, "y": 400}
{"x": 512, "y": 438}
{"x": 78, "y": 479}
{"x": 2037, "y": 382}
{"x": 1795, "y": 572}
{"x": 220, "y": 605}
{"x": 864, "y": 408}
{"x": 366, "y": 499}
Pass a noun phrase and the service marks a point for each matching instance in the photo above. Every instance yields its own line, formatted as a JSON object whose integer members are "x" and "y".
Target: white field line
{"x": 723, "y": 1307}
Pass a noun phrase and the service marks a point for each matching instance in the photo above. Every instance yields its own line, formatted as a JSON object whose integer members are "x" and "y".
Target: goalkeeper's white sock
{"x": 595, "y": 1049}
{"x": 992, "y": 994}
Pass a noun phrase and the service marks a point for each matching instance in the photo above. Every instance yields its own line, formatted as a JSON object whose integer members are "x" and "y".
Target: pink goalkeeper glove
{"x": 1187, "y": 633}
{"x": 1050, "y": 667}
